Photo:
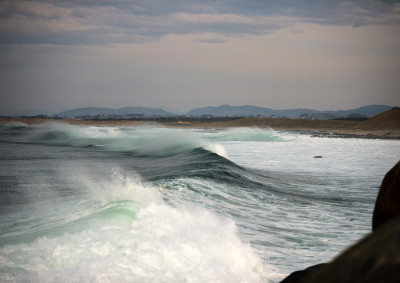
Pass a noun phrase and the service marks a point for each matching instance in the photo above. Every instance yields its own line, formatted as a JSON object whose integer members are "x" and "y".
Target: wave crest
{"x": 145, "y": 141}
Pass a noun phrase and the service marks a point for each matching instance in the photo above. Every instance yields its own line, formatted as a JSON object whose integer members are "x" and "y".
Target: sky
{"x": 325, "y": 55}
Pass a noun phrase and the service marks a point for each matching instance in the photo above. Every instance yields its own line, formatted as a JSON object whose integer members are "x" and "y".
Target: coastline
{"x": 317, "y": 128}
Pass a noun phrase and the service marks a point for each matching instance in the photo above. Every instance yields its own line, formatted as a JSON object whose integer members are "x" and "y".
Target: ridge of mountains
{"x": 217, "y": 111}
{"x": 102, "y": 111}
{"x": 249, "y": 110}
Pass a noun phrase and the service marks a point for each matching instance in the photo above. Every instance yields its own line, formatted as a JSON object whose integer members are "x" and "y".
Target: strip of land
{"x": 385, "y": 125}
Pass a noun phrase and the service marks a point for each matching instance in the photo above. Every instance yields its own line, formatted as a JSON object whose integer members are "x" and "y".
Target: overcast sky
{"x": 323, "y": 54}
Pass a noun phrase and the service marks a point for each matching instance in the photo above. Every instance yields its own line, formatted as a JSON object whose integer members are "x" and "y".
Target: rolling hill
{"x": 386, "y": 120}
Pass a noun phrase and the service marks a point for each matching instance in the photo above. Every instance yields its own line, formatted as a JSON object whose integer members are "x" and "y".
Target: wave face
{"x": 153, "y": 204}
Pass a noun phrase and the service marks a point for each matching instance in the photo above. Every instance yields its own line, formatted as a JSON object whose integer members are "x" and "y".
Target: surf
{"x": 123, "y": 230}
{"x": 106, "y": 203}
{"x": 253, "y": 134}
{"x": 141, "y": 140}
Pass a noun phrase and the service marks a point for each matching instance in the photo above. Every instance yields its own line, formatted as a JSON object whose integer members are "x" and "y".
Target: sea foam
{"x": 128, "y": 233}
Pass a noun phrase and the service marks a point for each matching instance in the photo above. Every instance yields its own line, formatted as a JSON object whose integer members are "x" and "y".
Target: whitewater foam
{"x": 133, "y": 235}
{"x": 217, "y": 148}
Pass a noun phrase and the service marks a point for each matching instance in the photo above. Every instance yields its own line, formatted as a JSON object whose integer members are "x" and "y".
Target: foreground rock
{"x": 299, "y": 276}
{"x": 387, "y": 204}
{"x": 374, "y": 259}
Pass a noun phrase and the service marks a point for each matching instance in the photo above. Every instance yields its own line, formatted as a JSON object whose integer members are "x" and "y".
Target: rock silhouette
{"x": 375, "y": 258}
{"x": 387, "y": 204}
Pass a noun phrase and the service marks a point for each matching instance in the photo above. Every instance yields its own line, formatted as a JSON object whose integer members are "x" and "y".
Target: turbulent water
{"x": 152, "y": 204}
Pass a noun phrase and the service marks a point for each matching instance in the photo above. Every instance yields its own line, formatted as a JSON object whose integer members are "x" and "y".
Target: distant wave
{"x": 249, "y": 134}
{"x": 144, "y": 141}
{"x": 174, "y": 153}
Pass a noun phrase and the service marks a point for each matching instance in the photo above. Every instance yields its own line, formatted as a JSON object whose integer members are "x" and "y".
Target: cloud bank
{"x": 187, "y": 54}
{"x": 112, "y": 22}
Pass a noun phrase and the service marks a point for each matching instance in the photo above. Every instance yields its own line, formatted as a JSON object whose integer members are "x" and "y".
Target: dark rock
{"x": 387, "y": 205}
{"x": 298, "y": 276}
{"x": 318, "y": 156}
{"x": 374, "y": 259}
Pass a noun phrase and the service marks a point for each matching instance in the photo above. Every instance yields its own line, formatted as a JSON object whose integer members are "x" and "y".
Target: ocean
{"x": 157, "y": 204}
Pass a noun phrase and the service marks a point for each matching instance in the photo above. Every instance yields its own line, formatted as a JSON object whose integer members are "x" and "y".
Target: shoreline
{"x": 316, "y": 128}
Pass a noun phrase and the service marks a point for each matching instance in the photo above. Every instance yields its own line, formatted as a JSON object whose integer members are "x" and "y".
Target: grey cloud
{"x": 108, "y": 22}
{"x": 212, "y": 40}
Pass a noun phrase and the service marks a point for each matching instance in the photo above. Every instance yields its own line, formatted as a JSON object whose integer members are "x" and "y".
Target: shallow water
{"x": 153, "y": 204}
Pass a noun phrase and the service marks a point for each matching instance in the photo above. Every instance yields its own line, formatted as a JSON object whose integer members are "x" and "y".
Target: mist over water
{"x": 152, "y": 204}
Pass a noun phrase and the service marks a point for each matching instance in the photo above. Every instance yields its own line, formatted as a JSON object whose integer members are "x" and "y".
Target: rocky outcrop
{"x": 387, "y": 204}
{"x": 374, "y": 259}
{"x": 301, "y": 275}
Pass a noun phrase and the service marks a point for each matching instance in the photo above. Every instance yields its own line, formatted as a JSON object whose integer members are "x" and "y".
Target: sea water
{"x": 154, "y": 204}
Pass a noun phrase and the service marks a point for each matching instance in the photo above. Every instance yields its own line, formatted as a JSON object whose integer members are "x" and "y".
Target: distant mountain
{"x": 173, "y": 110}
{"x": 20, "y": 113}
{"x": 88, "y": 111}
{"x": 368, "y": 111}
{"x": 227, "y": 110}
{"x": 93, "y": 111}
{"x": 215, "y": 111}
{"x": 248, "y": 110}
{"x": 294, "y": 113}
{"x": 146, "y": 111}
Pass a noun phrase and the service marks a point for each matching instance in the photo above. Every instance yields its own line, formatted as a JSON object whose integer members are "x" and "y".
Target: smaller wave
{"x": 69, "y": 135}
{"x": 218, "y": 149}
{"x": 16, "y": 125}
{"x": 165, "y": 142}
{"x": 248, "y": 134}
{"x": 143, "y": 141}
